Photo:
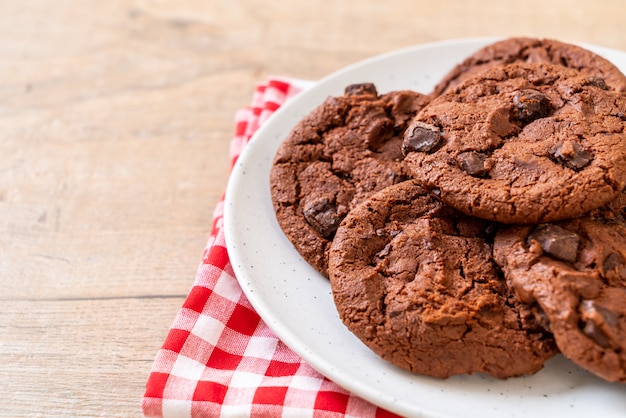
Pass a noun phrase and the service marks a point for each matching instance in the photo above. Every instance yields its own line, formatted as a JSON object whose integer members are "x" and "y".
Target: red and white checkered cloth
{"x": 219, "y": 357}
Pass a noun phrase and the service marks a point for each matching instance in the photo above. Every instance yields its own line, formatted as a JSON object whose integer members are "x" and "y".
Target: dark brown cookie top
{"x": 533, "y": 50}
{"x": 344, "y": 150}
{"x": 415, "y": 281}
{"x": 522, "y": 143}
{"x": 574, "y": 272}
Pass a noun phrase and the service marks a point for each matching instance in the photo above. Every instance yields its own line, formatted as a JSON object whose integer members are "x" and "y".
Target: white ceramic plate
{"x": 296, "y": 303}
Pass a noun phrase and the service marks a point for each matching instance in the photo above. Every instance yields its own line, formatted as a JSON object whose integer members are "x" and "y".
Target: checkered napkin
{"x": 219, "y": 357}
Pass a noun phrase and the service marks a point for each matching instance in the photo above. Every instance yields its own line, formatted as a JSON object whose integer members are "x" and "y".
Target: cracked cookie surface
{"x": 335, "y": 157}
{"x": 522, "y": 143}
{"x": 415, "y": 281}
{"x": 533, "y": 50}
{"x": 573, "y": 275}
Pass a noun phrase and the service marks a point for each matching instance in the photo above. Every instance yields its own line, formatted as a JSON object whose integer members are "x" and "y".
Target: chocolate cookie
{"x": 533, "y": 50}
{"x": 522, "y": 143}
{"x": 415, "y": 281}
{"x": 574, "y": 272}
{"x": 344, "y": 150}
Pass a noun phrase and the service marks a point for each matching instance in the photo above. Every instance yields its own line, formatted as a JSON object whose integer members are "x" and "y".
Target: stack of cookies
{"x": 477, "y": 228}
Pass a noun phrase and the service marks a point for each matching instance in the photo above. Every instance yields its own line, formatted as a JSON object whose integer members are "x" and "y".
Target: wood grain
{"x": 115, "y": 120}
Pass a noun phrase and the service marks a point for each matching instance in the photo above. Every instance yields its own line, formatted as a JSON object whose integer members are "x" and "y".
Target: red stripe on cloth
{"x": 210, "y": 392}
{"x": 156, "y": 384}
{"x": 332, "y": 401}
{"x": 270, "y": 395}
{"x": 240, "y": 127}
{"x": 383, "y": 413}
{"x": 260, "y": 88}
{"x": 222, "y": 360}
{"x": 233, "y": 160}
{"x": 272, "y": 106}
{"x": 217, "y": 256}
{"x": 281, "y": 368}
{"x": 197, "y": 298}
{"x": 244, "y": 320}
{"x": 283, "y": 86}
{"x": 175, "y": 340}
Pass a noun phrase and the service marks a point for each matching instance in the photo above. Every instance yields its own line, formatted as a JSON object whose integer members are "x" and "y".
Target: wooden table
{"x": 115, "y": 120}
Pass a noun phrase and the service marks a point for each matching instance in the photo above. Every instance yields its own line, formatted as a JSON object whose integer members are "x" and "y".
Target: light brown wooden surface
{"x": 115, "y": 118}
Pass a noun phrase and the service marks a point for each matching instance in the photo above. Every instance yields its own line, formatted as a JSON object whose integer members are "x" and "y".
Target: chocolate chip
{"x": 360, "y": 89}
{"x": 609, "y": 317}
{"x": 322, "y": 216}
{"x": 572, "y": 155}
{"x": 556, "y": 241}
{"x": 597, "y": 82}
{"x": 591, "y": 330}
{"x": 531, "y": 104}
{"x": 473, "y": 163}
{"x": 612, "y": 261}
{"x": 594, "y": 316}
{"x": 422, "y": 137}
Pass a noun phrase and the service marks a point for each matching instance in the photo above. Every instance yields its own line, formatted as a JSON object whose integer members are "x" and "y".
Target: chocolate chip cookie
{"x": 415, "y": 281}
{"x": 574, "y": 273}
{"x": 522, "y": 143}
{"x": 344, "y": 150}
{"x": 533, "y": 50}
